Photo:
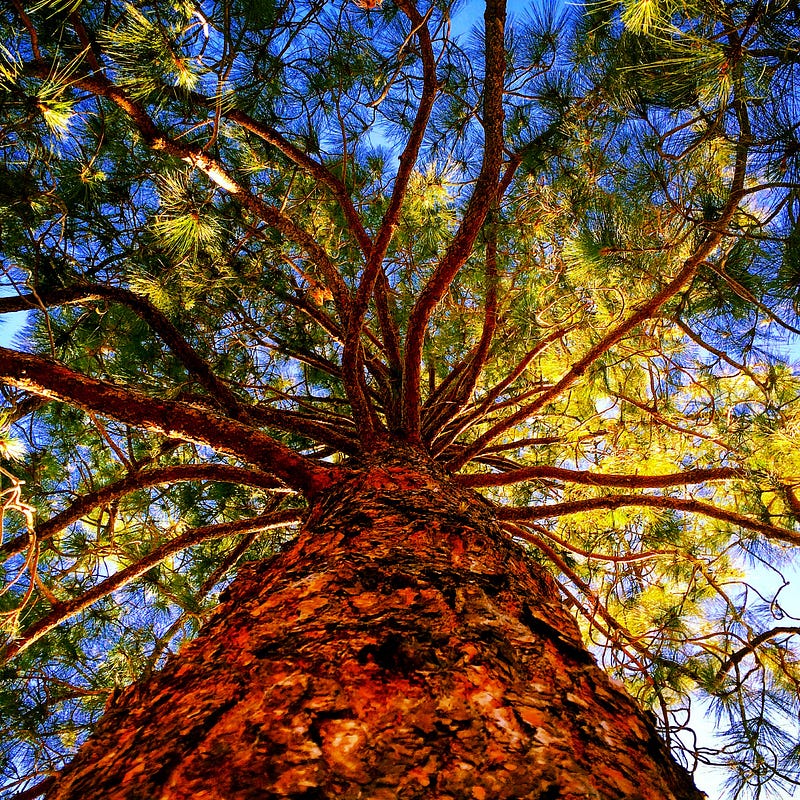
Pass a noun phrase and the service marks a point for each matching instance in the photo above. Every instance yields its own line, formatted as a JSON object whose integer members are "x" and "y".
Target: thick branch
{"x": 38, "y": 790}
{"x": 648, "y": 501}
{"x": 175, "y": 420}
{"x": 64, "y": 611}
{"x": 408, "y": 158}
{"x": 351, "y": 359}
{"x": 225, "y": 473}
{"x": 753, "y": 644}
{"x": 188, "y": 356}
{"x": 460, "y": 391}
{"x": 483, "y": 195}
{"x": 29, "y": 26}
{"x": 330, "y": 433}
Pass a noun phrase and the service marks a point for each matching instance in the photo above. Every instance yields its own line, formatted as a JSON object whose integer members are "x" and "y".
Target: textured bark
{"x": 402, "y": 647}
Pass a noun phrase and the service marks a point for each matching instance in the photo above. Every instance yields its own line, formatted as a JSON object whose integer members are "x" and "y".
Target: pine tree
{"x": 386, "y": 377}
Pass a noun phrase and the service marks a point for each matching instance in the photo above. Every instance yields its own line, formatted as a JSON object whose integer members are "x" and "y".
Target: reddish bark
{"x": 403, "y": 647}
{"x": 176, "y": 420}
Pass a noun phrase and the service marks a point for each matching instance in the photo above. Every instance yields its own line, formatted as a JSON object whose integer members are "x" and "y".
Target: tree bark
{"x": 402, "y": 647}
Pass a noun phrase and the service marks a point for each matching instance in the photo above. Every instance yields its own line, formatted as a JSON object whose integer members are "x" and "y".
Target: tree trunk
{"x": 403, "y": 647}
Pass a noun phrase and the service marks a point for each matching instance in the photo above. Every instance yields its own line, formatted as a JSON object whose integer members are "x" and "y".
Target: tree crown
{"x": 556, "y": 253}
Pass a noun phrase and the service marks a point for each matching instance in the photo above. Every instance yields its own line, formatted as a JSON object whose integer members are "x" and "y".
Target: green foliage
{"x": 626, "y": 126}
{"x": 150, "y": 55}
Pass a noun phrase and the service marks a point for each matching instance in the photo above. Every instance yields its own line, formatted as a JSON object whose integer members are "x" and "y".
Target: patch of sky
{"x": 11, "y": 325}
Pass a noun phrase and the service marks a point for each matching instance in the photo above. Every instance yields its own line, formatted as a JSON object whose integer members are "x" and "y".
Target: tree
{"x": 493, "y": 317}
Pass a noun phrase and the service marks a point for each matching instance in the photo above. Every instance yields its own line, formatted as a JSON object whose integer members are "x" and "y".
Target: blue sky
{"x": 10, "y": 326}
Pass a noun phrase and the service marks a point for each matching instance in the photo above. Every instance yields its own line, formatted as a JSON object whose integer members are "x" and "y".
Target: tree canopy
{"x": 556, "y": 249}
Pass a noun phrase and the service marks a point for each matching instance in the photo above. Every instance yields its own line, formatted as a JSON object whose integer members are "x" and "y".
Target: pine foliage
{"x": 189, "y": 198}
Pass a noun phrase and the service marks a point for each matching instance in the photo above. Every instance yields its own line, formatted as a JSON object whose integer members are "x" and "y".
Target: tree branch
{"x": 737, "y": 657}
{"x": 176, "y": 420}
{"x": 223, "y": 473}
{"x": 487, "y": 403}
{"x": 195, "y": 364}
{"x": 483, "y": 195}
{"x": 649, "y": 501}
{"x": 723, "y": 356}
{"x": 351, "y": 359}
{"x": 537, "y": 441}
{"x": 458, "y": 393}
{"x": 65, "y": 611}
{"x": 41, "y": 788}
{"x": 333, "y": 434}
{"x": 597, "y": 605}
{"x": 662, "y": 420}
{"x": 158, "y": 140}
{"x": 391, "y": 341}
{"x": 645, "y": 311}
{"x": 598, "y": 479}
{"x": 305, "y": 162}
